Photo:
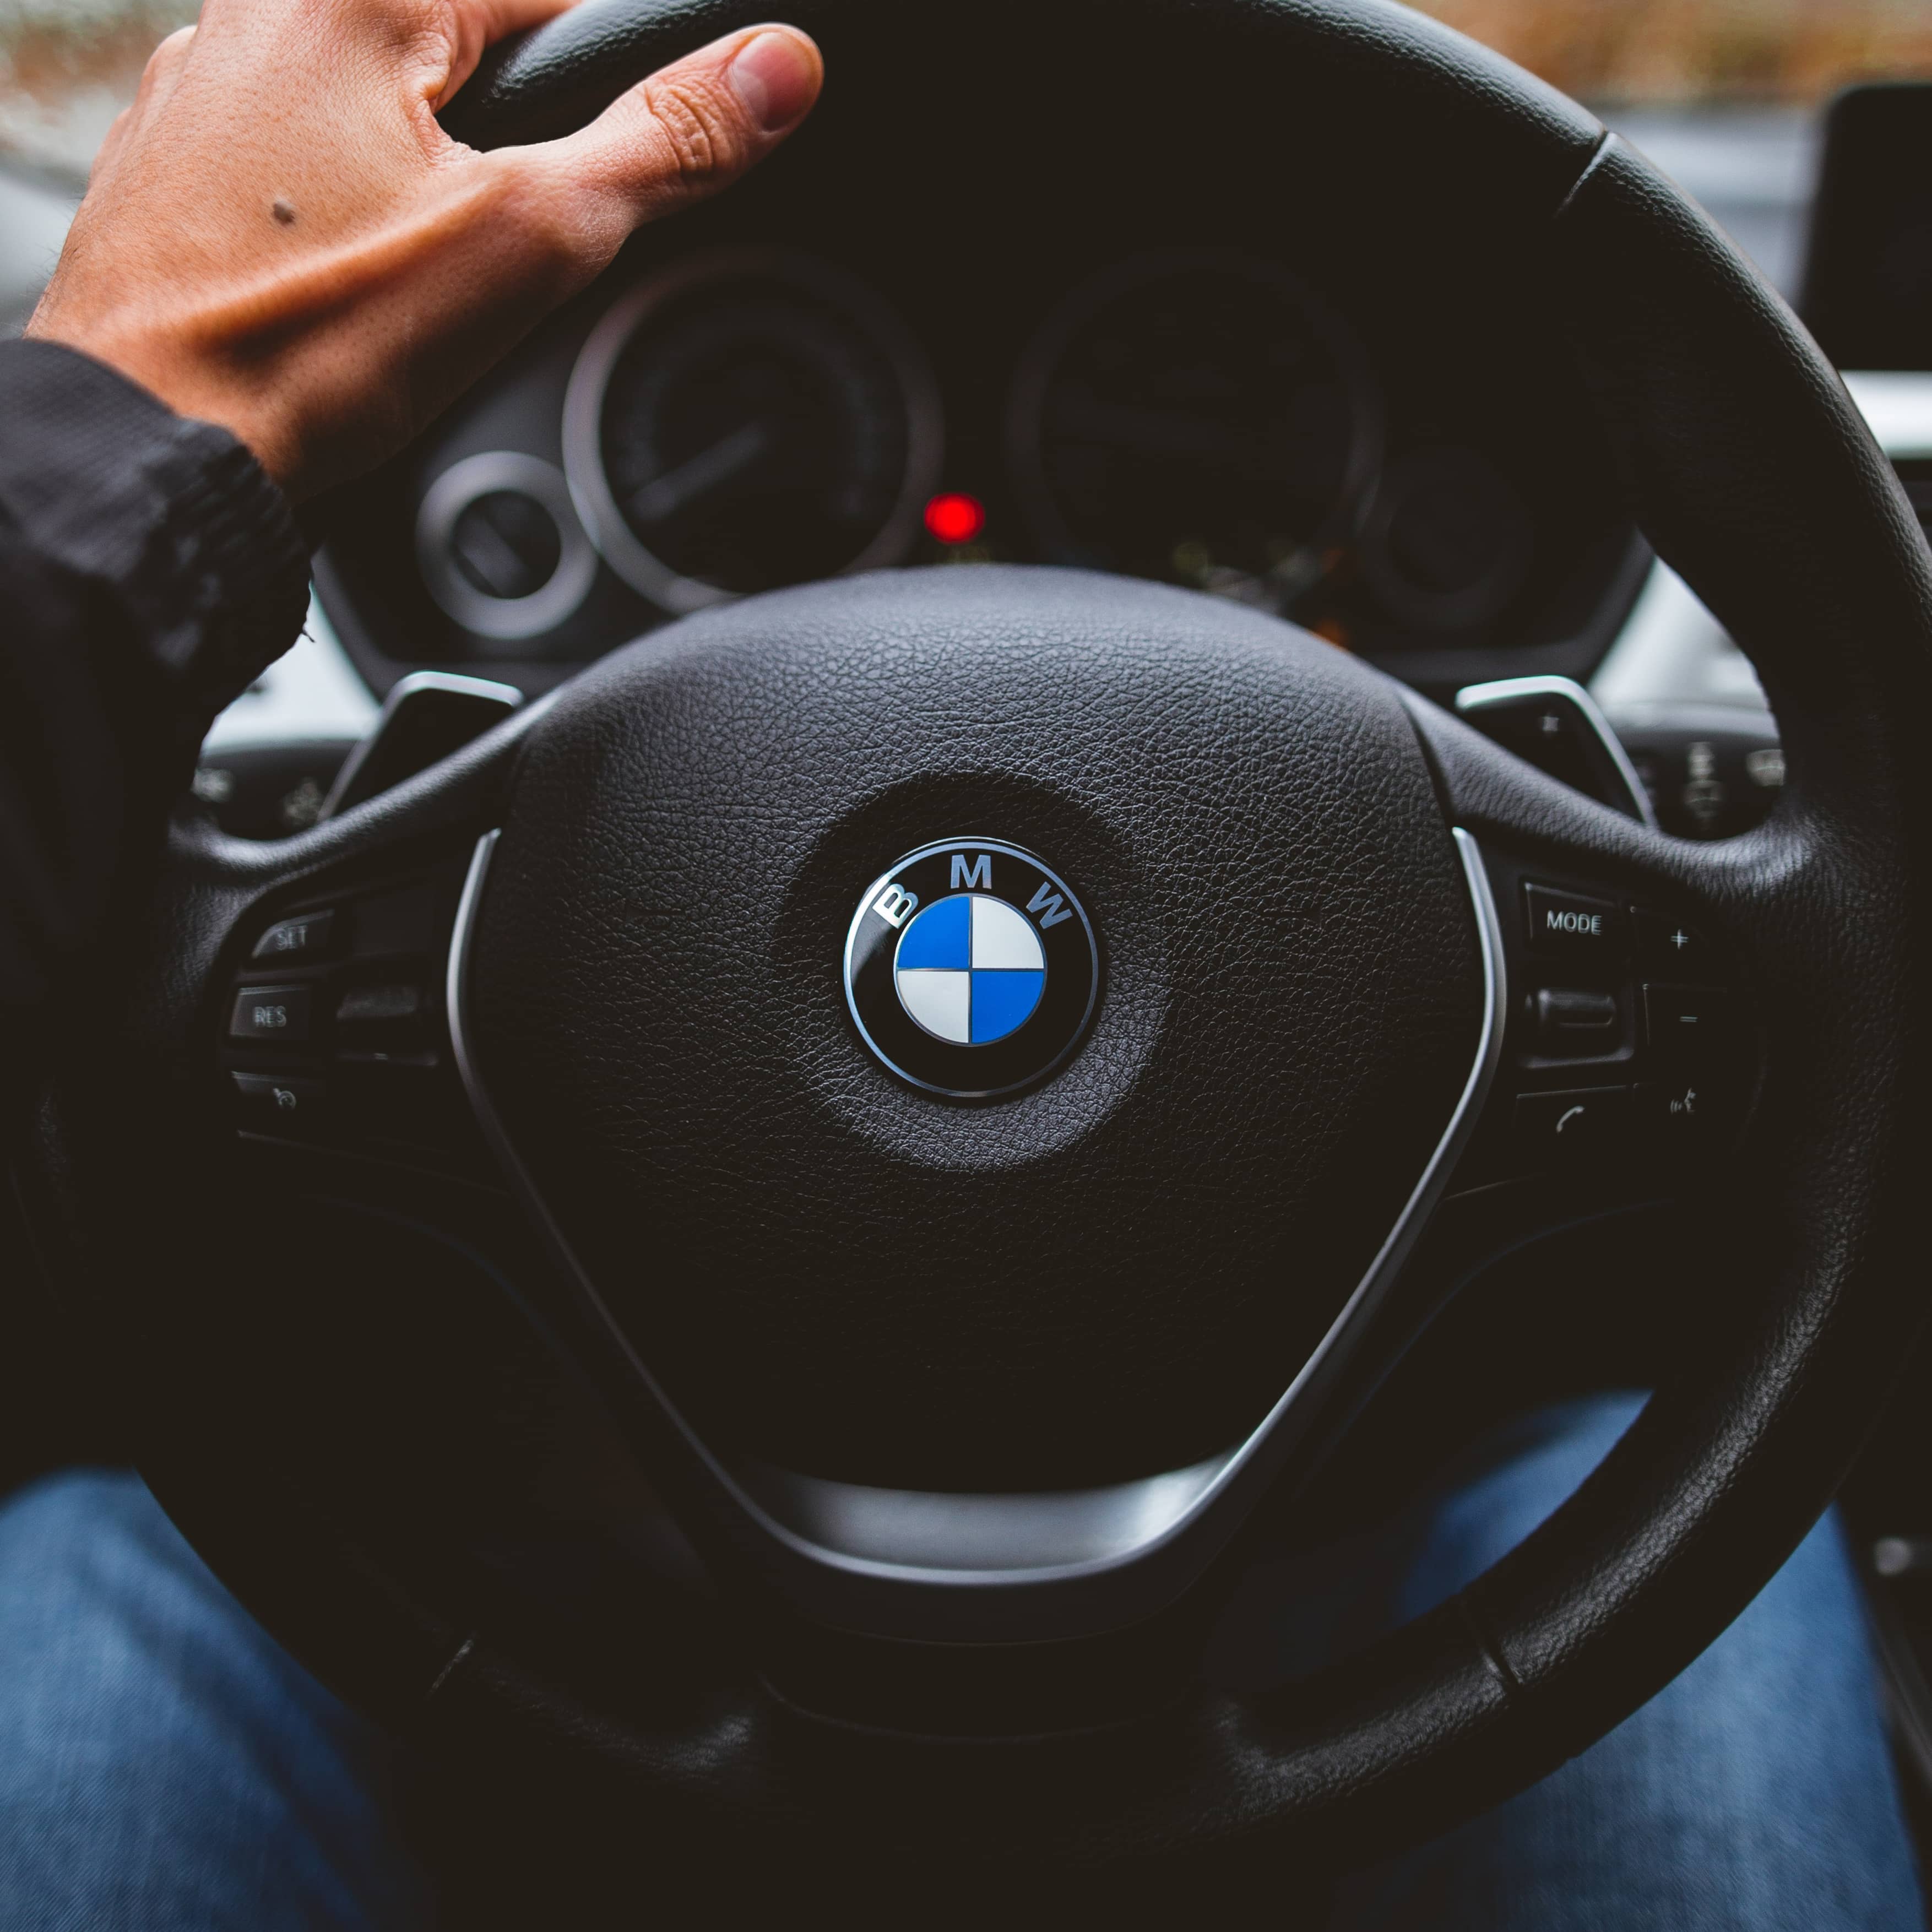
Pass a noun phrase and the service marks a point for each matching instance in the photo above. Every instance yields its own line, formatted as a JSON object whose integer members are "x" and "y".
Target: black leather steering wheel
{"x": 1012, "y": 1343}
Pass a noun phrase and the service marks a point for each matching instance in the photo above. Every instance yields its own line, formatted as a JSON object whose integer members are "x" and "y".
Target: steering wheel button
{"x": 306, "y": 936}
{"x": 1575, "y": 1020}
{"x": 1687, "y": 1025}
{"x": 1557, "y": 1129}
{"x": 291, "y": 1100}
{"x": 1579, "y": 928}
{"x": 1691, "y": 1114}
{"x": 281, "y": 1013}
{"x": 383, "y": 1006}
{"x": 1667, "y": 945}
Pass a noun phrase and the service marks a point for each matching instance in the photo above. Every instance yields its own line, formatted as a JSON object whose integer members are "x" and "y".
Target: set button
{"x": 308, "y": 936}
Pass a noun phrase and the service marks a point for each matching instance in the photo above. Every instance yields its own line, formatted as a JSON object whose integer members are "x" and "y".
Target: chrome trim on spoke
{"x": 941, "y": 1566}
{"x": 942, "y": 1530}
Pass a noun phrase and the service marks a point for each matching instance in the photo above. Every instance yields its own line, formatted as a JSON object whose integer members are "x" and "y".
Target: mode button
{"x": 1577, "y": 927}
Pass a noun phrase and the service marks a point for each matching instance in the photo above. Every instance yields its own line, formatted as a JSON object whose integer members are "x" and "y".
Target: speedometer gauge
{"x": 1200, "y": 418}
{"x": 749, "y": 419}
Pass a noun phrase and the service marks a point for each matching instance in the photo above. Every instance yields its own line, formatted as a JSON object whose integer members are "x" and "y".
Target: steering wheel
{"x": 969, "y": 1365}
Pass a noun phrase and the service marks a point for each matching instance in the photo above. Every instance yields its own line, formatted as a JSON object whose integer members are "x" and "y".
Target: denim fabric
{"x": 1755, "y": 1791}
{"x": 165, "y": 1766}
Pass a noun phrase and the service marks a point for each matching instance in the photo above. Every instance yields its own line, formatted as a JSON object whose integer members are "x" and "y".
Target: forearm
{"x": 148, "y": 570}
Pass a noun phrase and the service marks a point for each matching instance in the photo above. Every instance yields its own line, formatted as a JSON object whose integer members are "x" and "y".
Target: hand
{"x": 279, "y": 237}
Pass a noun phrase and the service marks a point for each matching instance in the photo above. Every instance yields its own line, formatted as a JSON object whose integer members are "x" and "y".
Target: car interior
{"x": 1304, "y": 486}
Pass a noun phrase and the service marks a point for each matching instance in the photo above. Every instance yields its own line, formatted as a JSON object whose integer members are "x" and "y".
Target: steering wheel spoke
{"x": 311, "y": 968}
{"x": 1642, "y": 969}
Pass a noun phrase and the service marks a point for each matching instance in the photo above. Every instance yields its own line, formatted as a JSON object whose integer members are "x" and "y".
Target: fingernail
{"x": 775, "y": 76}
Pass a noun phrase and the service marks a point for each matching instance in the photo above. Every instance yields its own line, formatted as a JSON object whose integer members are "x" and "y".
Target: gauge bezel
{"x": 556, "y": 599}
{"x": 620, "y": 545}
{"x": 1026, "y": 420}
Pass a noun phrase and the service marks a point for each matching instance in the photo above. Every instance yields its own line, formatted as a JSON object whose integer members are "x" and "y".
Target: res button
{"x": 280, "y": 1013}
{"x": 1576, "y": 927}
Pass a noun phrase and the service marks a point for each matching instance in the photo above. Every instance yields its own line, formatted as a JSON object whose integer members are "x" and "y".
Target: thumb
{"x": 694, "y": 127}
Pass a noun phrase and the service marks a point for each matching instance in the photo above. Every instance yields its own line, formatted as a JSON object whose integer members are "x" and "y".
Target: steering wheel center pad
{"x": 1114, "y": 1274}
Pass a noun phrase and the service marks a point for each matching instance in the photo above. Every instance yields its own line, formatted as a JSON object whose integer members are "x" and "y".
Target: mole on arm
{"x": 284, "y": 211}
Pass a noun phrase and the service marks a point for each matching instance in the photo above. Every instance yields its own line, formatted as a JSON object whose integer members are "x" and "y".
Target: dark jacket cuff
{"x": 173, "y": 520}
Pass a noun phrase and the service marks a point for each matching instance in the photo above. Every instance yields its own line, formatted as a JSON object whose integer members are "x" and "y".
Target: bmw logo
{"x": 970, "y": 969}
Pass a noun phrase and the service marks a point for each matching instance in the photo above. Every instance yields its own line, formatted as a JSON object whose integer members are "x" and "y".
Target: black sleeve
{"x": 149, "y": 570}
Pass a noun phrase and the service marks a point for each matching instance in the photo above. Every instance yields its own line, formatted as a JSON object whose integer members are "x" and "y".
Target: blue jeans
{"x": 1756, "y": 1792}
{"x": 164, "y": 1765}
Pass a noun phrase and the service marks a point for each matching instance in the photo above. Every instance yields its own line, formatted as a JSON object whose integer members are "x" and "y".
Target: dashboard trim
{"x": 468, "y": 481}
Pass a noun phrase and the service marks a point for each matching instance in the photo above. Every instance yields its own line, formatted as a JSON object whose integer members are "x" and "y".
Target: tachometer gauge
{"x": 1200, "y": 418}
{"x": 749, "y": 419}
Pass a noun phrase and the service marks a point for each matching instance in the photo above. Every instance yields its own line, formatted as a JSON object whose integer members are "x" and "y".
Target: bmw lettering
{"x": 971, "y": 969}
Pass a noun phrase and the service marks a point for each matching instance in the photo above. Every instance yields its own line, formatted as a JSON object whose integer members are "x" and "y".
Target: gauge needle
{"x": 697, "y": 474}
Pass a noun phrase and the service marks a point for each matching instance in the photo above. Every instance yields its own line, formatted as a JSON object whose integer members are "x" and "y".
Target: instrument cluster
{"x": 747, "y": 417}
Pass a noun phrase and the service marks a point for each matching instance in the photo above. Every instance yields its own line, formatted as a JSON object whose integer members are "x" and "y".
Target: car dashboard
{"x": 1259, "y": 366}
{"x": 1172, "y": 375}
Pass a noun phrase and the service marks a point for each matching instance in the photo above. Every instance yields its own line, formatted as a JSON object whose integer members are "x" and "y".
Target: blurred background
{"x": 1685, "y": 52}
{"x": 66, "y": 68}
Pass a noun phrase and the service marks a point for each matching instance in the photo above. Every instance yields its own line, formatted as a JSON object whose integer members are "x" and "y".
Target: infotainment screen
{"x": 1868, "y": 278}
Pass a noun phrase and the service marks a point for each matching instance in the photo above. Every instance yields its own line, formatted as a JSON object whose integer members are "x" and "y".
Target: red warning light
{"x": 956, "y": 519}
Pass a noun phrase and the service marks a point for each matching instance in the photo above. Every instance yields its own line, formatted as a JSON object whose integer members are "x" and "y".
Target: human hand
{"x": 279, "y": 237}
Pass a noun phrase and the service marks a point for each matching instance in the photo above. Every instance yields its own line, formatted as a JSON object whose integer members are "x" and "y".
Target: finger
{"x": 163, "y": 70}
{"x": 163, "y": 73}
{"x": 478, "y": 24}
{"x": 694, "y": 127}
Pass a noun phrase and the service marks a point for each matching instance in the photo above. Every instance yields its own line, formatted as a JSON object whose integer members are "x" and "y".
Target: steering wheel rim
{"x": 1756, "y": 479}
